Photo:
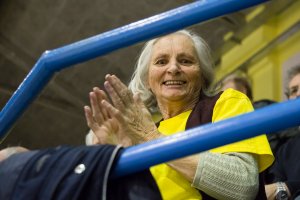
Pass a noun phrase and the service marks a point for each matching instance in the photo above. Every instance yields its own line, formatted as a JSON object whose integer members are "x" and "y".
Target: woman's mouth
{"x": 174, "y": 82}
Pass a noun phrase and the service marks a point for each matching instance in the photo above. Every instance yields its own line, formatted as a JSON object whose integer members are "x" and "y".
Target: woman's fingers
{"x": 100, "y": 95}
{"x": 89, "y": 117}
{"x": 95, "y": 107}
{"x": 99, "y": 114}
{"x": 120, "y": 89}
{"x": 114, "y": 112}
{"x": 116, "y": 100}
{"x": 100, "y": 133}
{"x": 110, "y": 121}
{"x": 123, "y": 131}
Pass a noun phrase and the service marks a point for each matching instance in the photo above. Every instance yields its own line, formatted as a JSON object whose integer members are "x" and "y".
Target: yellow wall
{"x": 266, "y": 72}
{"x": 263, "y": 79}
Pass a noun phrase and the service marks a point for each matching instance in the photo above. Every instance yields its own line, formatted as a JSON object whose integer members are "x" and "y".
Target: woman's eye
{"x": 186, "y": 61}
{"x": 161, "y": 62}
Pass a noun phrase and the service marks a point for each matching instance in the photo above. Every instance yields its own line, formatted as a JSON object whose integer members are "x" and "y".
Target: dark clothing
{"x": 286, "y": 167}
{"x": 203, "y": 111}
{"x": 279, "y": 138}
{"x": 202, "y": 114}
{"x": 10, "y": 170}
{"x": 72, "y": 173}
{"x": 285, "y": 145}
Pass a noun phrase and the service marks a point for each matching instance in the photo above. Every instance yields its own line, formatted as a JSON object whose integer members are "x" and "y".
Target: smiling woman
{"x": 174, "y": 74}
{"x": 197, "y": 54}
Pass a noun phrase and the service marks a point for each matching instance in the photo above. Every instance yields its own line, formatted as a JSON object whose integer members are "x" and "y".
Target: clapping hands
{"x": 125, "y": 121}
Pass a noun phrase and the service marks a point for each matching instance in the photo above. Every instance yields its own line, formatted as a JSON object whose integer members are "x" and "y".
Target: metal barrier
{"x": 57, "y": 59}
{"x": 136, "y": 158}
{"x": 266, "y": 120}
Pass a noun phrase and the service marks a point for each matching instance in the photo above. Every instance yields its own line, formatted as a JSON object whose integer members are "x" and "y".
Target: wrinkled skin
{"x": 127, "y": 121}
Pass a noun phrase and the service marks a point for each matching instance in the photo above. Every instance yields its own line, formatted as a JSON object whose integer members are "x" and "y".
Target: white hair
{"x": 138, "y": 83}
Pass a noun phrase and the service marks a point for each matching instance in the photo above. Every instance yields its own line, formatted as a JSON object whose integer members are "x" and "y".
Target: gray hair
{"x": 138, "y": 83}
{"x": 292, "y": 72}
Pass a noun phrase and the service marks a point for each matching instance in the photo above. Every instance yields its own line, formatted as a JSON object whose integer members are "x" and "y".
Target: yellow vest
{"x": 172, "y": 184}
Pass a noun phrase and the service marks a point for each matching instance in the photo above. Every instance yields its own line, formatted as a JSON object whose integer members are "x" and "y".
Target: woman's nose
{"x": 174, "y": 68}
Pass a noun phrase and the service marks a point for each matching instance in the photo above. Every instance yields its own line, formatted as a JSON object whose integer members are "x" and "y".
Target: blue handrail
{"x": 57, "y": 59}
{"x": 266, "y": 120}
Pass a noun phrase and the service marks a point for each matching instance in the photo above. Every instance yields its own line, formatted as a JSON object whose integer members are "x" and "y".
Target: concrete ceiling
{"x": 28, "y": 28}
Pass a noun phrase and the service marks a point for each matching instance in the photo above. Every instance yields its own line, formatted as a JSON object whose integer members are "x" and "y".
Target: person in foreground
{"x": 283, "y": 178}
{"x": 70, "y": 172}
{"x": 7, "y": 152}
{"x": 174, "y": 74}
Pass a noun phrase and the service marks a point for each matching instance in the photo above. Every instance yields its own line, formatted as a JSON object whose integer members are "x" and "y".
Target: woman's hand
{"x": 136, "y": 120}
{"x": 102, "y": 118}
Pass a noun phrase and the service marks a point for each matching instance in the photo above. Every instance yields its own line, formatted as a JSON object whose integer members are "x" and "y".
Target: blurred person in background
{"x": 238, "y": 82}
{"x": 283, "y": 177}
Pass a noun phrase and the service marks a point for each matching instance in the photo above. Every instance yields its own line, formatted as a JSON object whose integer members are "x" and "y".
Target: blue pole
{"x": 55, "y": 60}
{"x": 266, "y": 120}
{"x": 31, "y": 86}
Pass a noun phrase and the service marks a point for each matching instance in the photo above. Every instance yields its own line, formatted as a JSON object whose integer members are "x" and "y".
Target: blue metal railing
{"x": 136, "y": 158}
{"x": 55, "y": 60}
{"x": 266, "y": 120}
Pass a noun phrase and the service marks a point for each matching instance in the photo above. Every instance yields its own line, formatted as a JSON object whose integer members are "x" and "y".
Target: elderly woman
{"x": 174, "y": 74}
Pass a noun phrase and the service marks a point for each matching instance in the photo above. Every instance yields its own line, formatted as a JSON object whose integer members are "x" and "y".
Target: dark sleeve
{"x": 287, "y": 165}
{"x": 10, "y": 170}
{"x": 277, "y": 170}
{"x": 294, "y": 186}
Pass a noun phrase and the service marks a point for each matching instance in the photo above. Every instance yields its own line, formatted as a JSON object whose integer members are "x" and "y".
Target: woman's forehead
{"x": 174, "y": 42}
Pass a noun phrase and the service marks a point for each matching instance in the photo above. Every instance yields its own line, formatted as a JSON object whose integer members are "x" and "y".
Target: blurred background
{"x": 261, "y": 42}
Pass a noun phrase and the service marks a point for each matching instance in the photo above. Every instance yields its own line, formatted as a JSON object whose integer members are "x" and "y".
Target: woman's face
{"x": 174, "y": 72}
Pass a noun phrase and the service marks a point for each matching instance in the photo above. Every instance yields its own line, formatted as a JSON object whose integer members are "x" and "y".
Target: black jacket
{"x": 71, "y": 173}
{"x": 286, "y": 167}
